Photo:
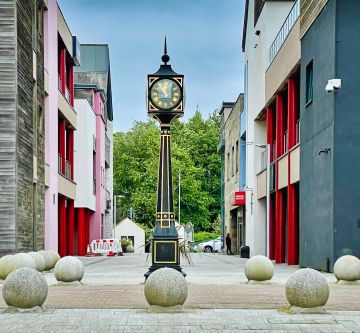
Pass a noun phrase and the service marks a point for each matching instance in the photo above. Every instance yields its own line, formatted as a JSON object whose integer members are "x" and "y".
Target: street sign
{"x": 240, "y": 198}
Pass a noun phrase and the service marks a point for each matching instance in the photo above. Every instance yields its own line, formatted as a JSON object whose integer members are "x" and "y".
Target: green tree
{"x": 194, "y": 155}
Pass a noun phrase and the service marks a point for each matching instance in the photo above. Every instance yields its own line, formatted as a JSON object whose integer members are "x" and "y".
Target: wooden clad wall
{"x": 7, "y": 125}
{"x": 310, "y": 9}
{"x": 21, "y": 127}
{"x": 30, "y": 215}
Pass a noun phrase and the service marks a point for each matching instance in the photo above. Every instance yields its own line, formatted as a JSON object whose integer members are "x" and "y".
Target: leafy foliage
{"x": 194, "y": 155}
{"x": 205, "y": 236}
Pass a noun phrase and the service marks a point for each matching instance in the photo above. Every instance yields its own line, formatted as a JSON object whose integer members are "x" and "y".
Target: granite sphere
{"x": 130, "y": 249}
{"x": 347, "y": 268}
{"x": 48, "y": 258}
{"x": 307, "y": 288}
{"x": 25, "y": 260}
{"x": 166, "y": 287}
{"x": 25, "y": 288}
{"x": 39, "y": 261}
{"x": 7, "y": 265}
{"x": 259, "y": 268}
{"x": 69, "y": 269}
{"x": 55, "y": 256}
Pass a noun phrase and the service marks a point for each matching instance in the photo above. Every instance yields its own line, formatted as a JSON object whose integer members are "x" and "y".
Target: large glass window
{"x": 309, "y": 84}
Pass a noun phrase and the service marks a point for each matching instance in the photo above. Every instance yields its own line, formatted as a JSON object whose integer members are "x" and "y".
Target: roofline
{"x": 226, "y": 105}
{"x": 246, "y": 12}
{"x": 92, "y": 86}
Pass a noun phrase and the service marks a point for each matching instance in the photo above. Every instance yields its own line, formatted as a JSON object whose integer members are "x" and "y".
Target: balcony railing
{"x": 263, "y": 160}
{"x": 297, "y": 132}
{"x": 59, "y": 82}
{"x": 284, "y": 31}
{"x": 286, "y": 142}
{"x": 107, "y": 150}
{"x": 273, "y": 147}
{"x": 60, "y": 170}
{"x": 67, "y": 94}
{"x": 67, "y": 169}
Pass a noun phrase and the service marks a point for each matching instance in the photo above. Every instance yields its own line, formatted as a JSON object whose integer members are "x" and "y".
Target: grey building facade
{"x": 21, "y": 126}
{"x": 330, "y": 135}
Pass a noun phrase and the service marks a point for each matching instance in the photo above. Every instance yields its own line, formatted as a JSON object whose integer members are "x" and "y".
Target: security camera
{"x": 333, "y": 85}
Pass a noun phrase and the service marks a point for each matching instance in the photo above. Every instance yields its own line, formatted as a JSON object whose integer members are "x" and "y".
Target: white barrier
{"x": 108, "y": 246}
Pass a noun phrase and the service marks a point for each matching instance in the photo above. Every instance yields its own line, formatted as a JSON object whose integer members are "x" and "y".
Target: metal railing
{"x": 67, "y": 94}
{"x": 263, "y": 164}
{"x": 59, "y": 82}
{"x": 60, "y": 170}
{"x": 297, "y": 132}
{"x": 284, "y": 31}
{"x": 273, "y": 147}
{"x": 67, "y": 169}
{"x": 286, "y": 142}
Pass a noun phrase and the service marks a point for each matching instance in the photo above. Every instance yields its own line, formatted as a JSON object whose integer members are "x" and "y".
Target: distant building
{"x": 232, "y": 213}
{"x": 127, "y": 229}
{"x": 60, "y": 125}
{"x": 93, "y": 82}
{"x": 22, "y": 174}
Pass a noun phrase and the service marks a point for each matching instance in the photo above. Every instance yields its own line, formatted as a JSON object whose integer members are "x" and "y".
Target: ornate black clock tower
{"x": 165, "y": 102}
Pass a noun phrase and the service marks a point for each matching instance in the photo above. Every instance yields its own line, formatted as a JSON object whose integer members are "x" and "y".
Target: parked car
{"x": 213, "y": 245}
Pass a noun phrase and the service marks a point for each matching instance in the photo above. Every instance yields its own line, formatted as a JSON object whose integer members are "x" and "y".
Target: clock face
{"x": 165, "y": 94}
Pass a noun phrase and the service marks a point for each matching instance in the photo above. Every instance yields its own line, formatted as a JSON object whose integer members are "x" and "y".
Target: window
{"x": 309, "y": 84}
{"x": 232, "y": 161}
{"x": 237, "y": 156}
{"x": 228, "y": 167}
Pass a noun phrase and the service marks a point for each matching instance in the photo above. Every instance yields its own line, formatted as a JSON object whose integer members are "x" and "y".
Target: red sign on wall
{"x": 240, "y": 198}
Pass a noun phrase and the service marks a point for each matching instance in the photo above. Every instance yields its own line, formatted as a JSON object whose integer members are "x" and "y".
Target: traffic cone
{"x": 88, "y": 251}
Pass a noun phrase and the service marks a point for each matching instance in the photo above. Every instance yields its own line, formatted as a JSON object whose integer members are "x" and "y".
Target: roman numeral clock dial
{"x": 165, "y": 94}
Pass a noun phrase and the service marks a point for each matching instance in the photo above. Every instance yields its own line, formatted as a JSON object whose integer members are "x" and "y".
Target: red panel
{"x": 279, "y": 125}
{"x": 292, "y": 112}
{"x": 272, "y": 228}
{"x": 81, "y": 232}
{"x": 70, "y": 228}
{"x": 293, "y": 226}
{"x": 280, "y": 230}
{"x": 62, "y": 69}
{"x": 62, "y": 226}
{"x": 270, "y": 130}
{"x": 61, "y": 144}
{"x": 87, "y": 227}
{"x": 70, "y": 151}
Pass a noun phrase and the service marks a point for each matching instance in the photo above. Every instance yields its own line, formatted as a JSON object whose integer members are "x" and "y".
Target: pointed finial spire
{"x": 165, "y": 58}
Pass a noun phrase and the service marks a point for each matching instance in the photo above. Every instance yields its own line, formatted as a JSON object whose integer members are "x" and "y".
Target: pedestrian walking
{"x": 228, "y": 244}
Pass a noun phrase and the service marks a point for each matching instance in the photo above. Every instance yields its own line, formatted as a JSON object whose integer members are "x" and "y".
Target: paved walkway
{"x": 219, "y": 300}
{"x": 192, "y": 321}
{"x": 208, "y": 269}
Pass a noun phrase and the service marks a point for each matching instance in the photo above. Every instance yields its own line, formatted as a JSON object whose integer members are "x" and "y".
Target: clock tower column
{"x": 165, "y": 103}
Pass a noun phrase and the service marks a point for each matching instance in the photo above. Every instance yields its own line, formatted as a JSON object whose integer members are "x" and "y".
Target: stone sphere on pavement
{"x": 130, "y": 249}
{"x": 7, "y": 265}
{"x": 25, "y": 260}
{"x": 39, "y": 261}
{"x": 25, "y": 288}
{"x": 347, "y": 268}
{"x": 55, "y": 256}
{"x": 259, "y": 268}
{"x": 166, "y": 287}
{"x": 48, "y": 258}
{"x": 307, "y": 288}
{"x": 69, "y": 269}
